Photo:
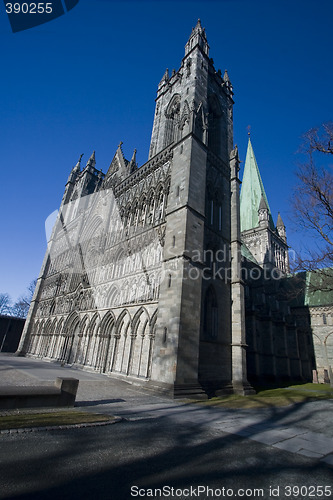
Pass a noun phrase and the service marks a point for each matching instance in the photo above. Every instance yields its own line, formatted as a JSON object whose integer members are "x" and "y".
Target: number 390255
{"x": 29, "y": 8}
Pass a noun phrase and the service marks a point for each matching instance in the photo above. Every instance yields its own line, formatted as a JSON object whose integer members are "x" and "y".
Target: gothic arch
{"x": 59, "y": 326}
{"x": 53, "y": 326}
{"x": 141, "y": 344}
{"x": 36, "y": 326}
{"x": 107, "y": 323}
{"x": 47, "y": 326}
{"x": 111, "y": 297}
{"x": 105, "y": 342}
{"x": 151, "y": 206}
{"x": 72, "y": 321}
{"x": 173, "y": 107}
{"x": 134, "y": 219}
{"x": 92, "y": 227}
{"x": 160, "y": 196}
{"x": 84, "y": 322}
{"x": 153, "y": 321}
{"x": 128, "y": 215}
{"x": 214, "y": 124}
{"x": 210, "y": 315}
{"x": 172, "y": 113}
{"x": 120, "y": 321}
{"x": 184, "y": 121}
{"x": 92, "y": 325}
{"x": 52, "y": 307}
{"x": 137, "y": 318}
{"x": 122, "y": 343}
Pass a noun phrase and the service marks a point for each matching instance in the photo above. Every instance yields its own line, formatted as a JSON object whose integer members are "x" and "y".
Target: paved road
{"x": 165, "y": 443}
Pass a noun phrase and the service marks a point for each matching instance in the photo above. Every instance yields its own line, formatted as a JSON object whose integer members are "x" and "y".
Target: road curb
{"x": 24, "y": 430}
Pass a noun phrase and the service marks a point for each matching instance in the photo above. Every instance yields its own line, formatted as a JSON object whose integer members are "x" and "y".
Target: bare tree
{"x": 21, "y": 307}
{"x": 313, "y": 204}
{"x": 5, "y": 303}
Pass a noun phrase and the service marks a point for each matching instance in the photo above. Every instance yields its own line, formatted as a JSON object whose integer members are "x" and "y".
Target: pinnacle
{"x": 197, "y": 38}
{"x": 165, "y": 77}
{"x": 92, "y": 160}
{"x": 134, "y": 156}
{"x": 263, "y": 204}
{"x": 226, "y": 76}
{"x": 78, "y": 165}
{"x": 279, "y": 222}
{"x": 198, "y": 25}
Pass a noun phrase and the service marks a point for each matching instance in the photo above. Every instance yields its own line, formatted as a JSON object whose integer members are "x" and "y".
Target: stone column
{"x": 238, "y": 345}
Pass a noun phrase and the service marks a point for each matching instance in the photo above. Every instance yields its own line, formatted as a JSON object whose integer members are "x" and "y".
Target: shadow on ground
{"x": 180, "y": 450}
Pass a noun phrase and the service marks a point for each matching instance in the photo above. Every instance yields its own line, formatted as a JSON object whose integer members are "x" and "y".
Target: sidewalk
{"x": 304, "y": 429}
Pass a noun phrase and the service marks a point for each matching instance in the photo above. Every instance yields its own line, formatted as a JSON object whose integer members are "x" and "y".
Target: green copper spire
{"x": 252, "y": 192}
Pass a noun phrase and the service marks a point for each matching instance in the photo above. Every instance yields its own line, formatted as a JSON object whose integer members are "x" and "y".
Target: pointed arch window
{"x": 215, "y": 135}
{"x": 172, "y": 114}
{"x": 220, "y": 217}
{"x": 210, "y": 320}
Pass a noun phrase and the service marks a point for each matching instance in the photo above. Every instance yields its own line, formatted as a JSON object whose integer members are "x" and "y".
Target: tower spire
{"x": 197, "y": 38}
{"x": 281, "y": 228}
{"x": 92, "y": 161}
{"x": 77, "y": 167}
{"x": 252, "y": 192}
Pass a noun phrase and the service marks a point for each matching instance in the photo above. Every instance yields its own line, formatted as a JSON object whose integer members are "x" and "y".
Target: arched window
{"x": 214, "y": 124}
{"x": 143, "y": 212}
{"x": 210, "y": 320}
{"x": 172, "y": 114}
{"x": 160, "y": 205}
{"x": 151, "y": 209}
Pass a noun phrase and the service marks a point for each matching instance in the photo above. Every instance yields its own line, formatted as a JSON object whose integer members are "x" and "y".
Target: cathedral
{"x": 149, "y": 275}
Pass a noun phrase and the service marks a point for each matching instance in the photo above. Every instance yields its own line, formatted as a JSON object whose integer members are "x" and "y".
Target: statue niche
{"x": 172, "y": 114}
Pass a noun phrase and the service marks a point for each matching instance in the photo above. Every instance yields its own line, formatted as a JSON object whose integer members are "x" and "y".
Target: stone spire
{"x": 197, "y": 38}
{"x": 119, "y": 165}
{"x": 279, "y": 222}
{"x": 92, "y": 161}
{"x": 252, "y": 192}
{"x": 133, "y": 163}
{"x": 75, "y": 170}
{"x": 281, "y": 228}
{"x": 77, "y": 167}
{"x": 165, "y": 78}
{"x": 263, "y": 213}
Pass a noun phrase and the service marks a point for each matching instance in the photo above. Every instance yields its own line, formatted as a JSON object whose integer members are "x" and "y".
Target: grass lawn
{"x": 22, "y": 418}
{"x": 267, "y": 398}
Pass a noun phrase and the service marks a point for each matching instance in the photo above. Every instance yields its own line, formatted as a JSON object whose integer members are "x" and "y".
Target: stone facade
{"x": 322, "y": 331}
{"x": 142, "y": 278}
{"x": 128, "y": 285}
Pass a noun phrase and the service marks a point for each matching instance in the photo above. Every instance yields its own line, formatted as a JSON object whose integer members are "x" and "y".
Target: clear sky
{"x": 88, "y": 80}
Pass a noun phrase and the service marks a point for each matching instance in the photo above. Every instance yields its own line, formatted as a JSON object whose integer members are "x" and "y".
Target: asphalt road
{"x": 105, "y": 462}
{"x": 161, "y": 443}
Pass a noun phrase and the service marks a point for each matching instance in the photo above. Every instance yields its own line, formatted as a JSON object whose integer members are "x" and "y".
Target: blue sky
{"x": 88, "y": 80}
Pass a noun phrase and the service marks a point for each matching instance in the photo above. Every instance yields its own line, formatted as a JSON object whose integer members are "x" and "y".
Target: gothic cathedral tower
{"x": 138, "y": 281}
{"x": 194, "y": 116}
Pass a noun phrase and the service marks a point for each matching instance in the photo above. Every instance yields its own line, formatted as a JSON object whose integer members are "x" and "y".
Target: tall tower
{"x": 267, "y": 243}
{"x": 143, "y": 288}
{"x": 193, "y": 118}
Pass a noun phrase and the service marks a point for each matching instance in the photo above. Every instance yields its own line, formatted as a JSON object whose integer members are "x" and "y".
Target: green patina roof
{"x": 319, "y": 284}
{"x": 247, "y": 254}
{"x": 251, "y": 193}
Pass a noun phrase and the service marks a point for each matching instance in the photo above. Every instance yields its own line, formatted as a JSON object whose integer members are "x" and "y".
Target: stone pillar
{"x": 238, "y": 345}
